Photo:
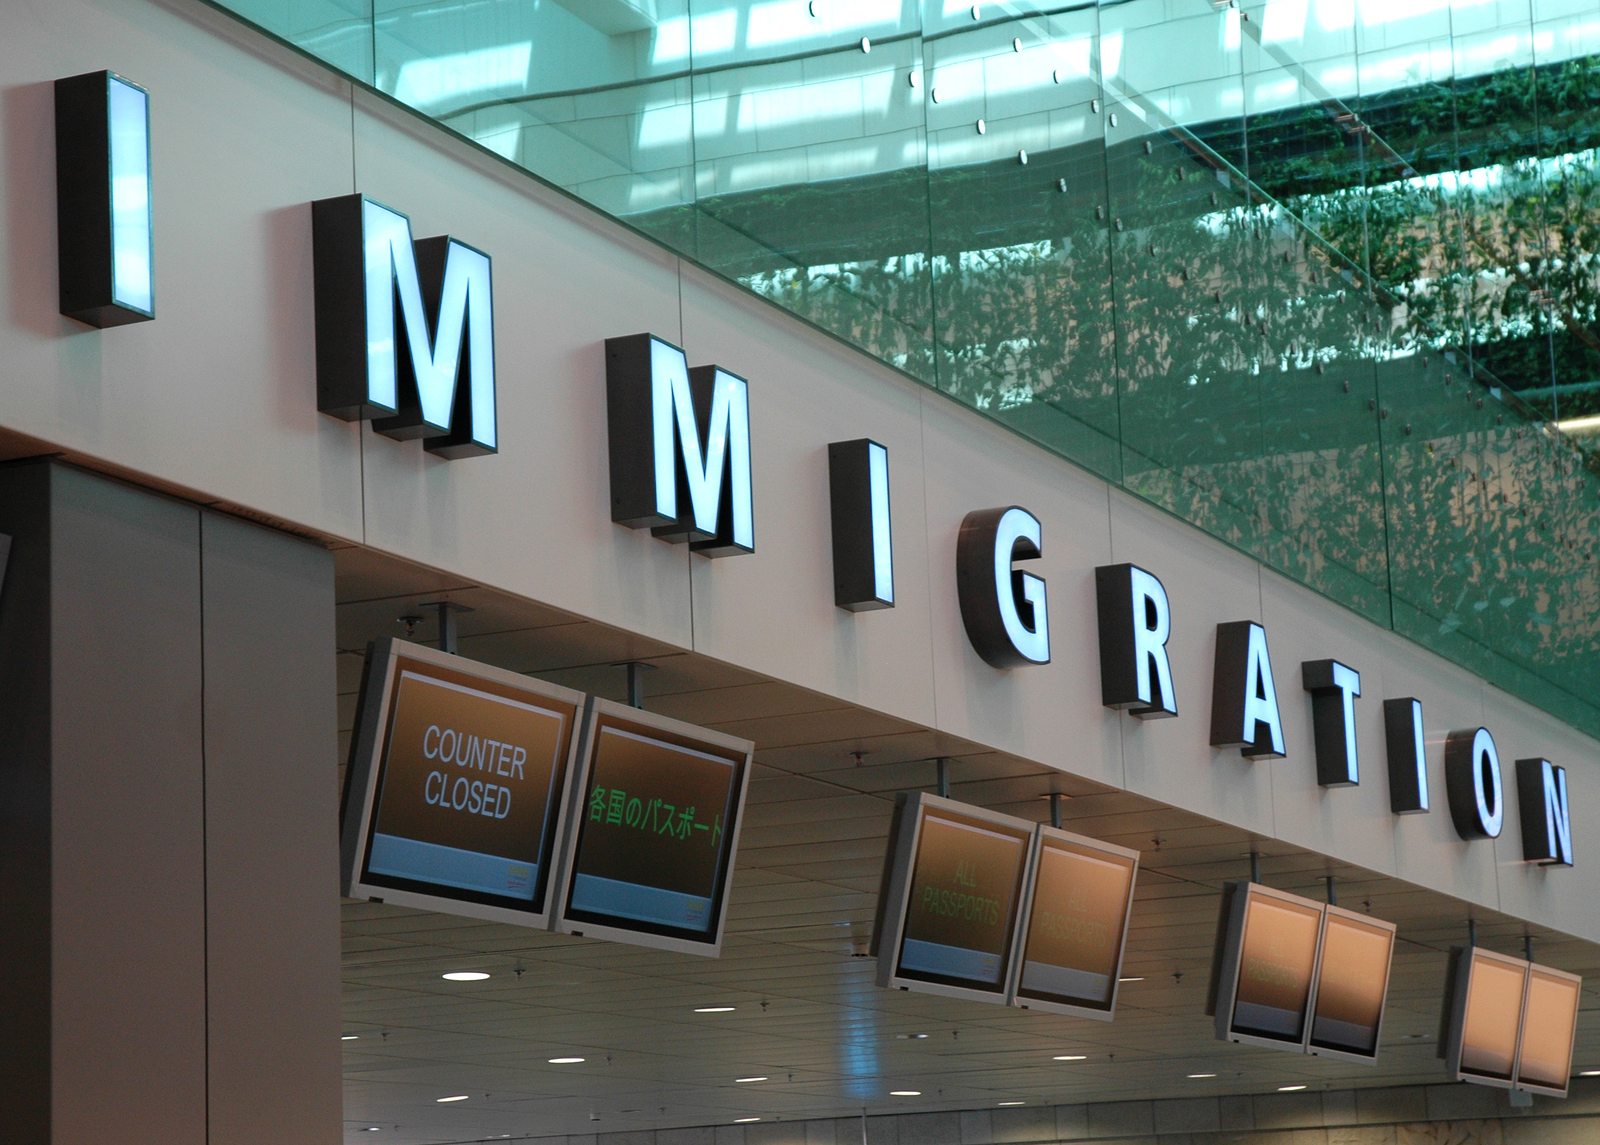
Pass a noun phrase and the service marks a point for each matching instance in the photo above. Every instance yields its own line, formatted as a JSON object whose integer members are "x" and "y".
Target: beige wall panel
{"x": 535, "y": 518}
{"x": 1207, "y": 584}
{"x": 1349, "y": 823}
{"x": 1050, "y": 713}
{"x": 218, "y": 393}
{"x": 773, "y": 610}
{"x": 1427, "y": 849}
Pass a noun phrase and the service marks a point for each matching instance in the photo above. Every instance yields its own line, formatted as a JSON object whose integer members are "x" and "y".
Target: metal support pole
{"x": 446, "y": 611}
{"x": 447, "y": 627}
{"x": 636, "y": 670}
{"x": 1255, "y": 866}
{"x": 1527, "y": 947}
{"x": 1472, "y": 932}
{"x": 944, "y": 777}
{"x": 1055, "y": 810}
{"x": 1333, "y": 896}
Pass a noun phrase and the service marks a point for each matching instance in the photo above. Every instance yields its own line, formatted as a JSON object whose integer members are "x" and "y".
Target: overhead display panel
{"x": 1268, "y": 960}
{"x": 1352, "y": 982}
{"x": 1549, "y": 1025}
{"x": 455, "y": 790}
{"x": 1485, "y": 1017}
{"x": 1074, "y": 924}
{"x": 948, "y": 912}
{"x": 654, "y": 828}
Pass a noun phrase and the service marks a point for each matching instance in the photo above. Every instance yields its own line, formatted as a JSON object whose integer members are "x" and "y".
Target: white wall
{"x": 217, "y": 397}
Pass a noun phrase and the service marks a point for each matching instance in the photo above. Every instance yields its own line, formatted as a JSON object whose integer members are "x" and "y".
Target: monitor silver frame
{"x": 1329, "y": 912}
{"x": 366, "y": 749}
{"x": 1025, "y": 915}
{"x": 895, "y": 902}
{"x": 561, "y": 888}
{"x": 1232, "y": 951}
{"x": 1522, "y": 1030}
{"x": 1456, "y": 1031}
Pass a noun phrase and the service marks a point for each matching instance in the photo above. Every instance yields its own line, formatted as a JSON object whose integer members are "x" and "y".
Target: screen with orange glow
{"x": 1547, "y": 1028}
{"x": 1489, "y": 1027}
{"x": 965, "y": 886}
{"x": 1351, "y": 987}
{"x": 1074, "y": 939}
{"x": 1276, "y": 959}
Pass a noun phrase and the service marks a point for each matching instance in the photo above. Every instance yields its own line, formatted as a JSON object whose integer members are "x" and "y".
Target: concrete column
{"x": 168, "y": 850}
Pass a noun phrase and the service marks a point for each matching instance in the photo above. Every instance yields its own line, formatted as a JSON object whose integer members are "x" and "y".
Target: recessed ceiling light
{"x": 742, "y": 1080}
{"x": 372, "y": 1129}
{"x": 911, "y": 1037}
{"x": 905, "y": 1093}
{"x": 1011, "y": 1103}
{"x": 464, "y": 976}
{"x": 457, "y": 1097}
{"x": 713, "y": 1009}
{"x": 1070, "y": 1057}
{"x": 1589, "y": 1073}
{"x": 349, "y": 1037}
{"x": 745, "y": 1120}
{"x": 1289, "y": 1088}
{"x": 1202, "y": 1075}
{"x": 565, "y": 1061}
{"x": 1130, "y": 979}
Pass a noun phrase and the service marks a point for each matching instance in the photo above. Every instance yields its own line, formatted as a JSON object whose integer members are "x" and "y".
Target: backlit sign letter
{"x": 1135, "y": 622}
{"x": 680, "y": 447}
{"x": 863, "y": 547}
{"x": 1472, "y": 782}
{"x": 1244, "y": 703}
{"x": 1408, "y": 761}
{"x": 1334, "y": 688}
{"x": 103, "y": 200}
{"x": 426, "y": 372}
{"x": 1002, "y": 608}
{"x": 1546, "y": 820}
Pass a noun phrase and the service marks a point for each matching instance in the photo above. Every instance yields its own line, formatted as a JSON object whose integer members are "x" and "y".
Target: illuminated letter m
{"x": 680, "y": 447}
{"x": 405, "y": 329}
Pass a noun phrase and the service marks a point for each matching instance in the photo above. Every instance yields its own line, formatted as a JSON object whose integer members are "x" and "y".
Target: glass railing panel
{"x": 592, "y": 95}
{"x": 811, "y": 165}
{"x": 1183, "y": 253}
{"x": 337, "y": 32}
{"x": 1016, "y": 195}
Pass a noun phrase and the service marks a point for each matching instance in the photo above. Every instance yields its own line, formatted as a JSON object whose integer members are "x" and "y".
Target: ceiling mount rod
{"x": 1333, "y": 896}
{"x": 1255, "y": 865}
{"x": 944, "y": 777}
{"x": 1055, "y": 810}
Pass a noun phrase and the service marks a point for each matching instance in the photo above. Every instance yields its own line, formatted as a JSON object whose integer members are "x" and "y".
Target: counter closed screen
{"x": 654, "y": 827}
{"x": 467, "y": 783}
{"x": 1078, "y": 916}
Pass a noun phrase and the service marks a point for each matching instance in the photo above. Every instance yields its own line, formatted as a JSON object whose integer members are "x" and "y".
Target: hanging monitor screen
{"x": 1077, "y": 919}
{"x": 1489, "y": 1013}
{"x": 1549, "y": 1021}
{"x": 1276, "y": 952}
{"x": 655, "y": 830}
{"x": 950, "y": 909}
{"x": 1352, "y": 982}
{"x": 455, "y": 784}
